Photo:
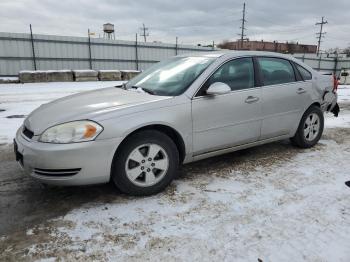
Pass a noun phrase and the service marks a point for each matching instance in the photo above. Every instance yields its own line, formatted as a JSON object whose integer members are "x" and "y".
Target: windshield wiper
{"x": 123, "y": 85}
{"x": 144, "y": 89}
{"x": 148, "y": 91}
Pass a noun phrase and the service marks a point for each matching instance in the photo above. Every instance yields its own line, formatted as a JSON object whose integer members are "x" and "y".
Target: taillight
{"x": 335, "y": 83}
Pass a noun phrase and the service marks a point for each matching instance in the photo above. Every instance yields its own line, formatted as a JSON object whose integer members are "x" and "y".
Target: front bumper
{"x": 92, "y": 160}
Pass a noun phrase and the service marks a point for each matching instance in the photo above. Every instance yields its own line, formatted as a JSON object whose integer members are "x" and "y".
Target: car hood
{"x": 86, "y": 105}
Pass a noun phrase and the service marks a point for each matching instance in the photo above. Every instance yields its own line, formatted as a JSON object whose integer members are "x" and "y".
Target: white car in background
{"x": 344, "y": 78}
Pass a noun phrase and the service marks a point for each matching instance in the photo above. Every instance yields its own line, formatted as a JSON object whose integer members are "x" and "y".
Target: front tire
{"x": 145, "y": 164}
{"x": 310, "y": 128}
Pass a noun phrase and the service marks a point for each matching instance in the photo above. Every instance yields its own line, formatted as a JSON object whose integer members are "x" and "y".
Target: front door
{"x": 223, "y": 121}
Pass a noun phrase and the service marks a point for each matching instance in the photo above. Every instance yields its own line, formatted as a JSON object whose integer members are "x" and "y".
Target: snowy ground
{"x": 273, "y": 202}
{"x": 14, "y": 78}
{"x": 18, "y": 100}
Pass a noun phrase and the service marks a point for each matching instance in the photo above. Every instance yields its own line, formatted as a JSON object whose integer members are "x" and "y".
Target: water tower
{"x": 108, "y": 31}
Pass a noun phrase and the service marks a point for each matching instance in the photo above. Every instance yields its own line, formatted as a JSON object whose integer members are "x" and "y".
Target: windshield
{"x": 171, "y": 77}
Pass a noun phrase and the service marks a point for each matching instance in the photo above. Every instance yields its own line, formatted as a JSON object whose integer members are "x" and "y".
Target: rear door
{"x": 284, "y": 96}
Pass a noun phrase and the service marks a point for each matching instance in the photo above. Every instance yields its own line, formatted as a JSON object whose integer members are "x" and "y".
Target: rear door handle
{"x": 251, "y": 99}
{"x": 301, "y": 90}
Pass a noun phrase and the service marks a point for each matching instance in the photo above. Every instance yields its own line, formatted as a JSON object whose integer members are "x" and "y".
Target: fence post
{"x": 176, "y": 47}
{"x": 136, "y": 54}
{"x": 33, "y": 50}
{"x": 319, "y": 62}
{"x": 335, "y": 64}
{"x": 89, "y": 43}
{"x": 303, "y": 57}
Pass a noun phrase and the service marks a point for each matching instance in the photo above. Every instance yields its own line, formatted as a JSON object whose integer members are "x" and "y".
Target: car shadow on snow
{"x": 245, "y": 160}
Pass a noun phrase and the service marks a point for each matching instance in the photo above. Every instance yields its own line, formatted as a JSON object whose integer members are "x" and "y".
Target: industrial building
{"x": 274, "y": 46}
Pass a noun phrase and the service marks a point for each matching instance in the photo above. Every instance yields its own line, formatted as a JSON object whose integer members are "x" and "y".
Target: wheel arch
{"x": 318, "y": 104}
{"x": 172, "y": 133}
{"x": 314, "y": 103}
{"x": 298, "y": 138}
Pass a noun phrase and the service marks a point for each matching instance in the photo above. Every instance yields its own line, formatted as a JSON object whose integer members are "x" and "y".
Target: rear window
{"x": 305, "y": 74}
{"x": 344, "y": 74}
{"x": 276, "y": 71}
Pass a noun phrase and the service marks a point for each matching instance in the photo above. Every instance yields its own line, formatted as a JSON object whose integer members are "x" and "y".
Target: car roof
{"x": 237, "y": 53}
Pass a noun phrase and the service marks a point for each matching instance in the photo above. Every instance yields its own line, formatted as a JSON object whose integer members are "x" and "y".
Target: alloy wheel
{"x": 146, "y": 165}
{"x": 311, "y": 127}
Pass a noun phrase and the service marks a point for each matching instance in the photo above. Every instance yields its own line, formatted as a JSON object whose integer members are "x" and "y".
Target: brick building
{"x": 269, "y": 46}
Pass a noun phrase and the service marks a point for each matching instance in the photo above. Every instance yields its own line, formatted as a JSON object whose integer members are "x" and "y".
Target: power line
{"x": 243, "y": 27}
{"x": 144, "y": 32}
{"x": 321, "y": 34}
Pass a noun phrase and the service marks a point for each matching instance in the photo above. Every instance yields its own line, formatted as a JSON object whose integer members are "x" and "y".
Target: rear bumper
{"x": 330, "y": 104}
{"x": 67, "y": 164}
{"x": 335, "y": 110}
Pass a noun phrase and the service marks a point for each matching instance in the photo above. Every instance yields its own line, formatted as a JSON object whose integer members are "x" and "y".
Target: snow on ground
{"x": 344, "y": 93}
{"x": 18, "y": 100}
{"x": 268, "y": 204}
{"x": 8, "y": 78}
{"x": 343, "y": 120}
{"x": 274, "y": 203}
{"x": 293, "y": 211}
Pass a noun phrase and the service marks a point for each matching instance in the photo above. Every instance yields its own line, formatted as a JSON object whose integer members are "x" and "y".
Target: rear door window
{"x": 276, "y": 71}
{"x": 305, "y": 74}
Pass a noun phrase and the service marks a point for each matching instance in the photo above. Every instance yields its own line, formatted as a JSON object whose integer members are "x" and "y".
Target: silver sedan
{"x": 184, "y": 109}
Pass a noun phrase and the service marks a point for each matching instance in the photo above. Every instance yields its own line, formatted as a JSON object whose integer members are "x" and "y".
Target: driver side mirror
{"x": 218, "y": 88}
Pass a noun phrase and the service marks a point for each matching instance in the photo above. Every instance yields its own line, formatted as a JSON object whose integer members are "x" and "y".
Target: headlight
{"x": 71, "y": 132}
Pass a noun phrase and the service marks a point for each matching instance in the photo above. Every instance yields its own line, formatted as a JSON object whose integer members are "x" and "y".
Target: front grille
{"x": 56, "y": 172}
{"x": 28, "y": 133}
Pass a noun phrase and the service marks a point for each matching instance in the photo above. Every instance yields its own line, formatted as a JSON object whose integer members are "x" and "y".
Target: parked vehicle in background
{"x": 344, "y": 78}
{"x": 184, "y": 109}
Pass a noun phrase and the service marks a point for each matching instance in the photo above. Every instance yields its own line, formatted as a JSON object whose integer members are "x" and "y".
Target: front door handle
{"x": 251, "y": 99}
{"x": 301, "y": 90}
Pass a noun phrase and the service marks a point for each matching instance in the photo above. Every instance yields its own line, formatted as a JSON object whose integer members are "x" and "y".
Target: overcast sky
{"x": 193, "y": 21}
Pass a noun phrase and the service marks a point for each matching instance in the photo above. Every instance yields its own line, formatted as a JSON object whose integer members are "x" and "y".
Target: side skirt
{"x": 236, "y": 148}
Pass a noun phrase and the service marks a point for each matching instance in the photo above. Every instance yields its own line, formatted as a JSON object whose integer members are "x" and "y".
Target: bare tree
{"x": 225, "y": 44}
{"x": 347, "y": 51}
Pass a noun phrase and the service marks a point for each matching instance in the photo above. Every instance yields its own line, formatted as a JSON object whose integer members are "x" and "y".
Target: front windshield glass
{"x": 171, "y": 77}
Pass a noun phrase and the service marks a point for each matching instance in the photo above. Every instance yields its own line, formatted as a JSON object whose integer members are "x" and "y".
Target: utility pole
{"x": 136, "y": 53}
{"x": 144, "y": 32}
{"x": 321, "y": 34}
{"x": 89, "y": 45}
{"x": 176, "y": 45}
{"x": 33, "y": 49}
{"x": 242, "y": 34}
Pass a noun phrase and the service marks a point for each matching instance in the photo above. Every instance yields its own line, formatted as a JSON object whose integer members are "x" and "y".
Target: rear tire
{"x": 310, "y": 128}
{"x": 145, "y": 164}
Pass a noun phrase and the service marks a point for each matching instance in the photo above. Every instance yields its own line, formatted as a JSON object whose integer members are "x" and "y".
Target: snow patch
{"x": 21, "y": 99}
